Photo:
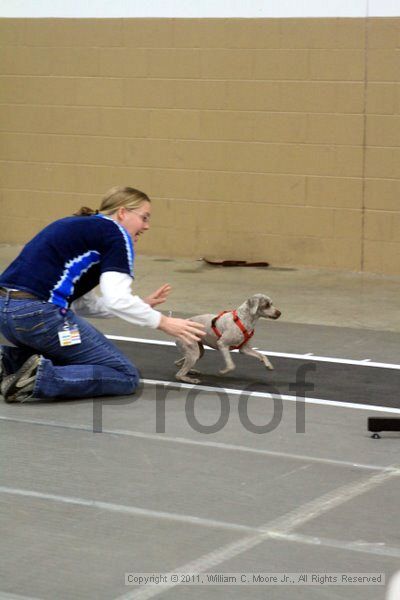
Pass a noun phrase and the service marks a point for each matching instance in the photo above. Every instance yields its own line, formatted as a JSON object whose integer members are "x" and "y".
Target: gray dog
{"x": 227, "y": 331}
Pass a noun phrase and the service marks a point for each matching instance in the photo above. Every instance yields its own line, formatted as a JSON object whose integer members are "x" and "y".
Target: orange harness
{"x": 246, "y": 334}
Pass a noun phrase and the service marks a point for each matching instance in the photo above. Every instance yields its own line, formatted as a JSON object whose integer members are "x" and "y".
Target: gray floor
{"x": 80, "y": 509}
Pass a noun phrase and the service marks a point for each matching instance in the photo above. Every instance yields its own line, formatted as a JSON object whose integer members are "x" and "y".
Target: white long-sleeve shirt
{"x": 116, "y": 299}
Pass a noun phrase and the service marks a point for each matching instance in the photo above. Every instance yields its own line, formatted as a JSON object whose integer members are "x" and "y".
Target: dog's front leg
{"x": 251, "y": 352}
{"x": 230, "y": 365}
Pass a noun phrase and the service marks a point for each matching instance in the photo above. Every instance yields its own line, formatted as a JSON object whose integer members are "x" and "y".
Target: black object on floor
{"x": 234, "y": 263}
{"x": 379, "y": 424}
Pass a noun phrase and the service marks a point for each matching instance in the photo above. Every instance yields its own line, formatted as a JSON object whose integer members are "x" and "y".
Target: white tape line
{"x": 129, "y": 510}
{"x": 320, "y": 401}
{"x": 278, "y": 528}
{"x": 123, "y": 338}
{"x": 201, "y": 565}
{"x": 7, "y": 596}
{"x": 289, "y": 521}
{"x": 315, "y": 508}
{"x": 205, "y": 444}
{"x": 357, "y": 546}
{"x": 309, "y": 356}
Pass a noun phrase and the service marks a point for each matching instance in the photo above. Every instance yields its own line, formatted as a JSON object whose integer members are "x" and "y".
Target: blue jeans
{"x": 95, "y": 367}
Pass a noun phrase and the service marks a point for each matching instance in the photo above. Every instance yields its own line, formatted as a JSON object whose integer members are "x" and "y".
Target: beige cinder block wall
{"x": 269, "y": 139}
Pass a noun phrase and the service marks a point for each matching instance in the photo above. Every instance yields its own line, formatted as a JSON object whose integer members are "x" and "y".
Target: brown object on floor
{"x": 234, "y": 263}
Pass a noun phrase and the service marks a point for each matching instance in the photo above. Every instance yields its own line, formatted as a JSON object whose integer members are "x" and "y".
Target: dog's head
{"x": 262, "y": 306}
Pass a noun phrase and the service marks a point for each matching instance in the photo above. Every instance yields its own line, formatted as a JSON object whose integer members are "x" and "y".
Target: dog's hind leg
{"x": 201, "y": 349}
{"x": 251, "y": 352}
{"x": 192, "y": 355}
{"x": 180, "y": 361}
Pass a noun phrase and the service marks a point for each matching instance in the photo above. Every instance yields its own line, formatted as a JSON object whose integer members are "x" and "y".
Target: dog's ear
{"x": 253, "y": 304}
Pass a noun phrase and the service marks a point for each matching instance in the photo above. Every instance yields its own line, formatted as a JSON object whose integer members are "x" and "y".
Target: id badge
{"x": 69, "y": 335}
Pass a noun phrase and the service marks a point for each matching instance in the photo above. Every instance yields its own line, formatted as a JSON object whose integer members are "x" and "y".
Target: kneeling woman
{"x": 46, "y": 289}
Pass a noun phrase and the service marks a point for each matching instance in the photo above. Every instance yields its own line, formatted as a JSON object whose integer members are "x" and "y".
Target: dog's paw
{"x": 268, "y": 365}
{"x": 186, "y": 379}
{"x": 226, "y": 370}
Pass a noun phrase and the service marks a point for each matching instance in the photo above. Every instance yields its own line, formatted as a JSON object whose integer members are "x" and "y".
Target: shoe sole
{"x": 9, "y": 383}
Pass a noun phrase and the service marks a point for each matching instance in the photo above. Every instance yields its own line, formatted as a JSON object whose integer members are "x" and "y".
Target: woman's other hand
{"x": 159, "y": 296}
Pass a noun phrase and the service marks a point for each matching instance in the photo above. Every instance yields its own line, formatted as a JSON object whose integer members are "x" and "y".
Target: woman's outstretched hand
{"x": 184, "y": 329}
{"x": 159, "y": 296}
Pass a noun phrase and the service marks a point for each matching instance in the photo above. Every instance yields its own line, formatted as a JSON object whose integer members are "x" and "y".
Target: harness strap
{"x": 246, "y": 334}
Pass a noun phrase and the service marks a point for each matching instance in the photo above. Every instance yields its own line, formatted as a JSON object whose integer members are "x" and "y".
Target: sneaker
{"x": 19, "y": 386}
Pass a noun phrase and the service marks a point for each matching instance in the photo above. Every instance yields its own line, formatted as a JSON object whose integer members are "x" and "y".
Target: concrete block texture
{"x": 257, "y": 139}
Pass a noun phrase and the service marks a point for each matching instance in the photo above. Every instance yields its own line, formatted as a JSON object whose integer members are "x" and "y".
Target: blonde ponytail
{"x": 85, "y": 211}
